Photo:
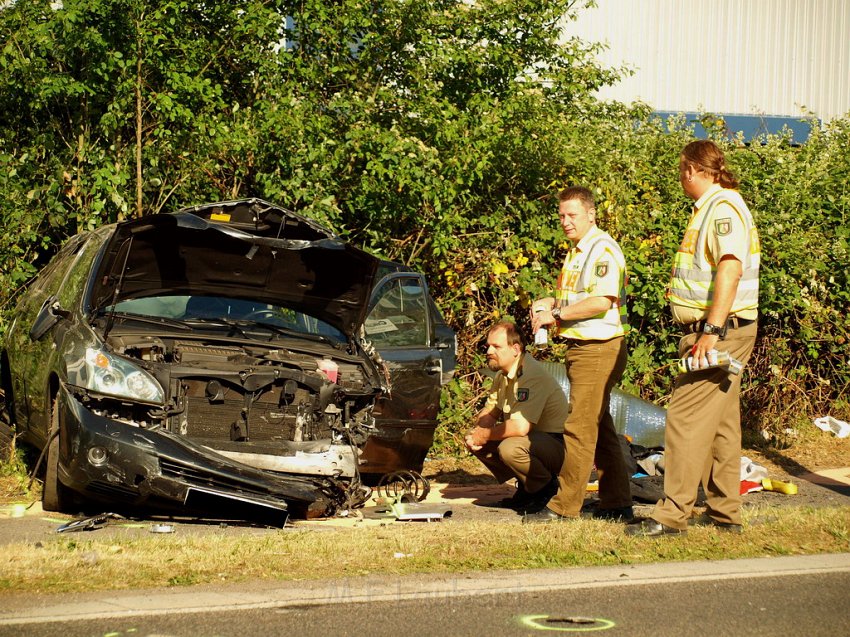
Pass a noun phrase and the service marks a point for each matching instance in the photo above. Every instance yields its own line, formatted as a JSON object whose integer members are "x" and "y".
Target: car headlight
{"x": 115, "y": 376}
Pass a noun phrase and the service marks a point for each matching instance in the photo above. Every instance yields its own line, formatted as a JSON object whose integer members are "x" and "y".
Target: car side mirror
{"x": 48, "y": 316}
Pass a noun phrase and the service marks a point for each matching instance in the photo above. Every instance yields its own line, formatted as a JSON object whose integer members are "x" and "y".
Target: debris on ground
{"x": 405, "y": 509}
{"x": 788, "y": 488}
{"x": 840, "y": 428}
{"x": 90, "y": 523}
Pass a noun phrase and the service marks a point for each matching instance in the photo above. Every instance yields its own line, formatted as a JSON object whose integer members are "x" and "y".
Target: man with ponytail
{"x": 713, "y": 295}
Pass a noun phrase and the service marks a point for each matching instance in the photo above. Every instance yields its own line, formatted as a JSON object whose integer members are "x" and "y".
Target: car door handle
{"x": 434, "y": 367}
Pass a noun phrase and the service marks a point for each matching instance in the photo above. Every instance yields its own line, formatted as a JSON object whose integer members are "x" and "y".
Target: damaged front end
{"x": 215, "y": 429}
{"x": 219, "y": 366}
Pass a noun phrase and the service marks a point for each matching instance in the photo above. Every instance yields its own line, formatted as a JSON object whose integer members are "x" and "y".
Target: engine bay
{"x": 256, "y": 403}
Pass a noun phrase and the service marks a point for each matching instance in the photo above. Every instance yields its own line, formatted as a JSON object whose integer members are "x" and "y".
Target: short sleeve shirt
{"x": 606, "y": 267}
{"x": 727, "y": 235}
{"x": 534, "y": 394}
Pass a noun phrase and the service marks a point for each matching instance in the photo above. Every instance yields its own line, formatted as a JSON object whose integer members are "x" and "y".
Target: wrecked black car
{"x": 218, "y": 362}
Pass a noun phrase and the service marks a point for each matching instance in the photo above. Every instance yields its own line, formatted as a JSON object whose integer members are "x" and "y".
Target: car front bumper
{"x": 115, "y": 463}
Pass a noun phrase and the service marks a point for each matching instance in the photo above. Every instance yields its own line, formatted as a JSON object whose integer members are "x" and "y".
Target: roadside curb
{"x": 40, "y": 609}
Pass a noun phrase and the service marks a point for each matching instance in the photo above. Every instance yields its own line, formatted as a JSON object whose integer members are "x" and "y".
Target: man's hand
{"x": 545, "y": 304}
{"x": 541, "y": 313}
{"x": 477, "y": 438}
{"x": 700, "y": 351}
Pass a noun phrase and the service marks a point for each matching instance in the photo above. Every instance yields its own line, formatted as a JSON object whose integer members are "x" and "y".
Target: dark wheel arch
{"x": 55, "y": 496}
{"x": 7, "y": 405}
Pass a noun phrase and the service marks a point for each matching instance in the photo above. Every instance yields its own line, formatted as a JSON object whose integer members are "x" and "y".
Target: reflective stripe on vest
{"x": 692, "y": 279}
{"x": 606, "y": 325}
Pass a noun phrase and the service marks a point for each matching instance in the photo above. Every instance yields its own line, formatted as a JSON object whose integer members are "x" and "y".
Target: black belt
{"x": 732, "y": 323}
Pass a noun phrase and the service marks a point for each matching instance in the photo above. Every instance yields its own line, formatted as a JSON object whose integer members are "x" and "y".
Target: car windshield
{"x": 219, "y": 308}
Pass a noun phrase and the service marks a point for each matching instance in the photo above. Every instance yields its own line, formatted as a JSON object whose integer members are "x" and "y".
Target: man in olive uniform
{"x": 519, "y": 432}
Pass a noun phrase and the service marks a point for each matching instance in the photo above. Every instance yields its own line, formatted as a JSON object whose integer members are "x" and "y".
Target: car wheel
{"x": 6, "y": 419}
{"x": 55, "y": 496}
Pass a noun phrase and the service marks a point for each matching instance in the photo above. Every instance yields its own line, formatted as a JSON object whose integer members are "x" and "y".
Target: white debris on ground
{"x": 840, "y": 428}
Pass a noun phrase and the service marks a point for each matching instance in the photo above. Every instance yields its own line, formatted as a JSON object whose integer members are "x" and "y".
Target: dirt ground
{"x": 818, "y": 464}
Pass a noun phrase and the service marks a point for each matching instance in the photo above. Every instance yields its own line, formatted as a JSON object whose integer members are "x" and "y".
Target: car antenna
{"x": 110, "y": 319}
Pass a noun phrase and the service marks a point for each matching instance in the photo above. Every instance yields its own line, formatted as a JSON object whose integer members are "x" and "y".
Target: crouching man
{"x": 520, "y": 431}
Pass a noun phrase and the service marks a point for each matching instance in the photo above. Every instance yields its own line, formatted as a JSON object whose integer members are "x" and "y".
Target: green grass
{"x": 89, "y": 562}
{"x": 131, "y": 560}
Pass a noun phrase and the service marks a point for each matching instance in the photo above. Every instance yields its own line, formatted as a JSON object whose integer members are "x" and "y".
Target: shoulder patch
{"x": 522, "y": 394}
{"x": 723, "y": 226}
{"x": 601, "y": 269}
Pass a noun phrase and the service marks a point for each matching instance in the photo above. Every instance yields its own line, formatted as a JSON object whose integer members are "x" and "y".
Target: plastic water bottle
{"x": 541, "y": 336}
{"x": 716, "y": 360}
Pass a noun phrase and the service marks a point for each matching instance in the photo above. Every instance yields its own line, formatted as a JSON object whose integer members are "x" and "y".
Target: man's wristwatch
{"x": 556, "y": 313}
{"x": 708, "y": 328}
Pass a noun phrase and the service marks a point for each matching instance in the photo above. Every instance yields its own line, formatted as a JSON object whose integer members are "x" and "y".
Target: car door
{"x": 418, "y": 349}
{"x": 29, "y": 359}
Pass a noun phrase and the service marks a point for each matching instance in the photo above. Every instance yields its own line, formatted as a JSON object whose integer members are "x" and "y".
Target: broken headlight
{"x": 108, "y": 374}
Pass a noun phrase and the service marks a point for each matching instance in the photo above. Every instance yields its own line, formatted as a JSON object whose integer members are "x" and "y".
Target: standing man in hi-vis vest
{"x": 590, "y": 313}
{"x": 713, "y": 296}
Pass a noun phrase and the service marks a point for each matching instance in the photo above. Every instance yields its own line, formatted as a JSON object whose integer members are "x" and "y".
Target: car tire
{"x": 6, "y": 418}
{"x": 55, "y": 496}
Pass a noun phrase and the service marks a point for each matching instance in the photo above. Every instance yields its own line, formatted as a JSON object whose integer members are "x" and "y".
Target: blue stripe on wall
{"x": 752, "y": 126}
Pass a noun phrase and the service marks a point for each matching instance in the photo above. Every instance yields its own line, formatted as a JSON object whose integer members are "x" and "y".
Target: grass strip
{"x": 87, "y": 562}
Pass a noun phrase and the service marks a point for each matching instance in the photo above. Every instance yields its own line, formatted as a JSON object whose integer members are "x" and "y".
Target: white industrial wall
{"x": 766, "y": 57}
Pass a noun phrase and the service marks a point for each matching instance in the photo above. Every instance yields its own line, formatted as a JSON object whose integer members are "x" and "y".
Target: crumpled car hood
{"x": 246, "y": 249}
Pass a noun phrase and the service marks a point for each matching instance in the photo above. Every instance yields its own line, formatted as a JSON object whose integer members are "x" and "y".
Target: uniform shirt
{"x": 532, "y": 392}
{"x": 727, "y": 236}
{"x": 594, "y": 267}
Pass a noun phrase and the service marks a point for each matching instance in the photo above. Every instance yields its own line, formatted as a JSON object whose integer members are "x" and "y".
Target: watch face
{"x": 709, "y": 329}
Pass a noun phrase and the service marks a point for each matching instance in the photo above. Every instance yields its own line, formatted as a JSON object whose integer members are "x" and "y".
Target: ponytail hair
{"x": 707, "y": 157}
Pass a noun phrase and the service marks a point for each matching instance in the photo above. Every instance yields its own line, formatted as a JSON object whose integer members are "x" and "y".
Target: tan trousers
{"x": 533, "y": 459}
{"x": 593, "y": 368}
{"x": 702, "y": 441}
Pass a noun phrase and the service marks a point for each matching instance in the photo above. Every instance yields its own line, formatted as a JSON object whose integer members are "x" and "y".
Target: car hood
{"x": 247, "y": 249}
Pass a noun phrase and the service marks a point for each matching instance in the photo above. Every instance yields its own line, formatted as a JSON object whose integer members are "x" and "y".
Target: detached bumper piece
{"x": 405, "y": 509}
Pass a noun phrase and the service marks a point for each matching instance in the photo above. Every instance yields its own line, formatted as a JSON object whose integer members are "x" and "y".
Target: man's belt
{"x": 732, "y": 323}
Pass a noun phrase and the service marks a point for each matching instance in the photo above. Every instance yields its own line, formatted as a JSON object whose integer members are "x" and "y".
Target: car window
{"x": 399, "y": 317}
{"x": 78, "y": 273}
{"x": 50, "y": 278}
{"x": 219, "y": 307}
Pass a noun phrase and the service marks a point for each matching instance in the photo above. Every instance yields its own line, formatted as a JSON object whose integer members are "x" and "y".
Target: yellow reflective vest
{"x": 596, "y": 257}
{"x": 692, "y": 279}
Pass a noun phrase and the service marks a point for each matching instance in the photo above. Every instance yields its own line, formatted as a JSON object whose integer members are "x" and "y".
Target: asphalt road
{"x": 799, "y": 595}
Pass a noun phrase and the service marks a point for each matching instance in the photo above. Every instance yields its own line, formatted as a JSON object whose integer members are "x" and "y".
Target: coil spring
{"x": 403, "y": 483}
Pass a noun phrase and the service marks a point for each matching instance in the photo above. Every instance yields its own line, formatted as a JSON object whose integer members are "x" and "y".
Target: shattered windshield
{"x": 219, "y": 308}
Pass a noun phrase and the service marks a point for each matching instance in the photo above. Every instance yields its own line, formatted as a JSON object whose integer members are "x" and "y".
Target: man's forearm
{"x": 487, "y": 419}
{"x": 509, "y": 429}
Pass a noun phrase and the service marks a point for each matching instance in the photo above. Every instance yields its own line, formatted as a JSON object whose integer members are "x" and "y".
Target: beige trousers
{"x": 533, "y": 459}
{"x": 702, "y": 440}
{"x": 593, "y": 368}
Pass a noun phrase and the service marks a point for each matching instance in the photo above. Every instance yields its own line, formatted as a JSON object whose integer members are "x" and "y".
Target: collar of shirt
{"x": 516, "y": 369}
{"x": 594, "y": 232}
{"x": 712, "y": 189}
